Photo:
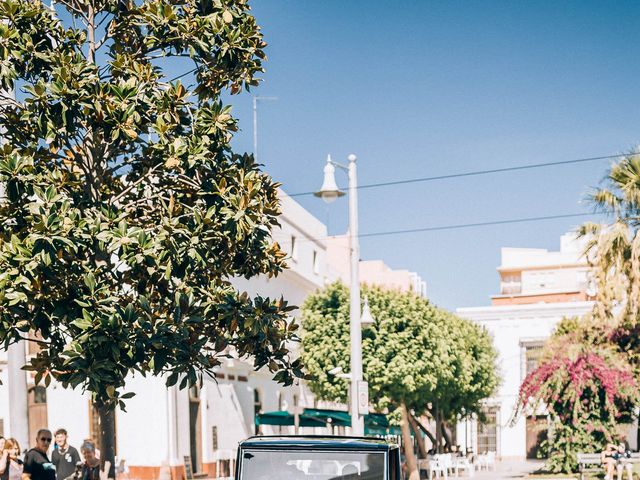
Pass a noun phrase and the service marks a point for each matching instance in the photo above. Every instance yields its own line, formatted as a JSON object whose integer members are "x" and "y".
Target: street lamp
{"x": 329, "y": 192}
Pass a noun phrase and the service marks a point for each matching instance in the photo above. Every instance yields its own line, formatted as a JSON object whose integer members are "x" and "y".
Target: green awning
{"x": 374, "y": 423}
{"x": 335, "y": 417}
{"x": 283, "y": 418}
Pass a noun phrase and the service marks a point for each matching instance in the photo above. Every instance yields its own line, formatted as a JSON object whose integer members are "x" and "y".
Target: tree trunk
{"x": 108, "y": 437}
{"x": 412, "y": 464}
{"x": 424, "y": 429}
{"x": 422, "y": 451}
{"x": 445, "y": 434}
{"x": 438, "y": 430}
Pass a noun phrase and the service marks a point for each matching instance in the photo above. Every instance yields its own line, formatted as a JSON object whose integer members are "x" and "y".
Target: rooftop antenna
{"x": 255, "y": 124}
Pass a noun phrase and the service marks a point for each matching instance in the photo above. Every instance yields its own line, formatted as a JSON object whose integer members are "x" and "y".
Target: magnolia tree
{"x": 126, "y": 213}
{"x": 413, "y": 355}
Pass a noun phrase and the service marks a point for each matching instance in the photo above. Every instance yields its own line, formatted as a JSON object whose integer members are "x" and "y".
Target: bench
{"x": 588, "y": 462}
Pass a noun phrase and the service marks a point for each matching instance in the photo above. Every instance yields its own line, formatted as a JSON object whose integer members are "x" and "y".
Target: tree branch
{"x": 74, "y": 9}
{"x": 135, "y": 184}
{"x": 11, "y": 100}
{"x": 35, "y": 340}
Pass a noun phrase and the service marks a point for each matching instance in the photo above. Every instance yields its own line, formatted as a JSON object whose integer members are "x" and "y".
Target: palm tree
{"x": 613, "y": 248}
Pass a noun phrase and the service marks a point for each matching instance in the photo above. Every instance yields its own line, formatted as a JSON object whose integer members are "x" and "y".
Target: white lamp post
{"x": 329, "y": 192}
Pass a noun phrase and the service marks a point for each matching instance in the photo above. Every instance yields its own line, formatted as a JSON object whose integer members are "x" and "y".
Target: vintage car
{"x": 317, "y": 458}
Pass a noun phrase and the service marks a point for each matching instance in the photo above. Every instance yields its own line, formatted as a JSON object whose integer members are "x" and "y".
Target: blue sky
{"x": 428, "y": 88}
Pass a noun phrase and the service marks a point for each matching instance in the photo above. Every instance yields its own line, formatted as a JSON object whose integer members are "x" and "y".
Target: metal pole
{"x": 18, "y": 407}
{"x": 255, "y": 129}
{"x": 255, "y": 124}
{"x": 357, "y": 420}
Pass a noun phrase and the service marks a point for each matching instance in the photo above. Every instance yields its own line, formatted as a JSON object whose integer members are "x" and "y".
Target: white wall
{"x": 4, "y": 394}
{"x": 68, "y": 409}
{"x": 510, "y": 326}
{"x": 144, "y": 423}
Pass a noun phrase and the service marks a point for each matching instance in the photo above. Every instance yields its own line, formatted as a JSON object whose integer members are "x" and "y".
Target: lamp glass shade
{"x": 329, "y": 190}
{"x": 366, "y": 318}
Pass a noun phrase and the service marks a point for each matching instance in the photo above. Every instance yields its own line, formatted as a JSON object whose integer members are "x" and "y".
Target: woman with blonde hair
{"x": 10, "y": 464}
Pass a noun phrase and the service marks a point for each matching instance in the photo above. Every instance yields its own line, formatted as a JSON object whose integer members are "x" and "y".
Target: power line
{"x": 461, "y": 225}
{"x": 477, "y": 224}
{"x": 482, "y": 172}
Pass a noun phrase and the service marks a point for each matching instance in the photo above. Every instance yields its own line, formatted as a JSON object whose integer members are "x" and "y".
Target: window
{"x": 533, "y": 353}
{"x": 294, "y": 248}
{"x": 511, "y": 283}
{"x": 214, "y": 438}
{"x": 316, "y": 263}
{"x": 312, "y": 465}
{"x": 488, "y": 430}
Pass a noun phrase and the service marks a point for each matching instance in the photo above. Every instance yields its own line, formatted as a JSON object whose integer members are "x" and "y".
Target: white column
{"x": 18, "y": 406}
{"x": 172, "y": 427}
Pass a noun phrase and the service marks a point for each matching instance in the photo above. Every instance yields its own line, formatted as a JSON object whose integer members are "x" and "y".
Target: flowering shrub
{"x": 587, "y": 394}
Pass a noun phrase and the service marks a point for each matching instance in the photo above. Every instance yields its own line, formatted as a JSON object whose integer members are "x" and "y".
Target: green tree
{"x": 474, "y": 373}
{"x": 410, "y": 355}
{"x": 126, "y": 212}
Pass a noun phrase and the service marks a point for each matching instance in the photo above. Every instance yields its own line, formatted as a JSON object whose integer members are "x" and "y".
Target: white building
{"x": 162, "y": 425}
{"x": 372, "y": 272}
{"x": 537, "y": 289}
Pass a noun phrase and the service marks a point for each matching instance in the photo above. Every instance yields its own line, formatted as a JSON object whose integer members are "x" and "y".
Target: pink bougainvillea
{"x": 587, "y": 394}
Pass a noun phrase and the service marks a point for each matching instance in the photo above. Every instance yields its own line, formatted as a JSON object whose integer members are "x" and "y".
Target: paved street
{"x": 509, "y": 469}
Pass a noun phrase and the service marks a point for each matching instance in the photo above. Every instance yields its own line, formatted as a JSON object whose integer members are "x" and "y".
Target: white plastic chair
{"x": 482, "y": 460}
{"x": 463, "y": 463}
{"x": 437, "y": 465}
{"x": 491, "y": 460}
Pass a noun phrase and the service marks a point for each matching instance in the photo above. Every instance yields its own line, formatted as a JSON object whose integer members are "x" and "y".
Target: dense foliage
{"x": 414, "y": 352}
{"x": 415, "y": 355}
{"x": 589, "y": 394}
{"x": 126, "y": 213}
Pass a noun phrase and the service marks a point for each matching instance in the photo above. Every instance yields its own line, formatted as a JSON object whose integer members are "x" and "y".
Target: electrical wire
{"x": 477, "y": 224}
{"x": 457, "y": 226}
{"x": 481, "y": 172}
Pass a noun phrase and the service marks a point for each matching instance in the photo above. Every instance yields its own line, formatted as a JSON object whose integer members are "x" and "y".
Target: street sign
{"x": 363, "y": 397}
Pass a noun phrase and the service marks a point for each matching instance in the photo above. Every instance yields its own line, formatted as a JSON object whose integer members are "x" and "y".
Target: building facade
{"x": 371, "y": 272}
{"x": 538, "y": 288}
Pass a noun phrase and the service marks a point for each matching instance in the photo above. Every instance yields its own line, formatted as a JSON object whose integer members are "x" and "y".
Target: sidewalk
{"x": 509, "y": 469}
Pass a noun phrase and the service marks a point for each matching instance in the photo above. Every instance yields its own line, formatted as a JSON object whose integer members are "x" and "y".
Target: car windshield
{"x": 312, "y": 465}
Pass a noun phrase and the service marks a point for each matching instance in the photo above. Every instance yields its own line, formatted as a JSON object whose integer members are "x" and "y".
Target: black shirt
{"x": 90, "y": 473}
{"x": 65, "y": 461}
{"x": 37, "y": 464}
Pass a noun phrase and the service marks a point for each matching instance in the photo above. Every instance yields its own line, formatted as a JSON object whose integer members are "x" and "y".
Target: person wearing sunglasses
{"x": 37, "y": 465}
